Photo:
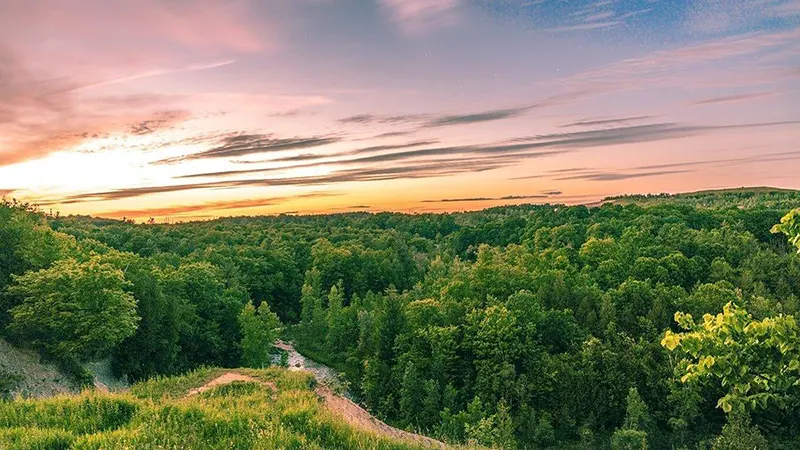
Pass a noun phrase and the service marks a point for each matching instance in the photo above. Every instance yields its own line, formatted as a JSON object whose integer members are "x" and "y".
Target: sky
{"x": 186, "y": 110}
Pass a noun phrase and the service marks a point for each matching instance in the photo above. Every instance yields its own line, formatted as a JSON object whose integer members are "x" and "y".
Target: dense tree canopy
{"x": 518, "y": 327}
{"x": 73, "y": 308}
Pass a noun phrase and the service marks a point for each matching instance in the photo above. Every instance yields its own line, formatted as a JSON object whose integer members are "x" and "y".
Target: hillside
{"x": 205, "y": 409}
{"x": 22, "y": 372}
{"x": 745, "y": 197}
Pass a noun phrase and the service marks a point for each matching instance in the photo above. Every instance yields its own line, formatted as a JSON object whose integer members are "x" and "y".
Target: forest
{"x": 660, "y": 322}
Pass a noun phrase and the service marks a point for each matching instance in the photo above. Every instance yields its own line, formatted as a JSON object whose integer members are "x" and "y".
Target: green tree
{"x": 26, "y": 243}
{"x": 496, "y": 430}
{"x": 790, "y": 226}
{"x": 341, "y": 323}
{"x": 495, "y": 339}
{"x": 260, "y": 328}
{"x": 74, "y": 309}
{"x": 210, "y": 332}
{"x": 757, "y": 362}
{"x": 543, "y": 434}
{"x": 154, "y": 348}
{"x": 637, "y": 415}
{"x": 411, "y": 395}
{"x": 633, "y": 434}
{"x": 740, "y": 434}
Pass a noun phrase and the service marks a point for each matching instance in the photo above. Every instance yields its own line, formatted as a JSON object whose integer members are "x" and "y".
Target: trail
{"x": 354, "y": 414}
{"x": 339, "y": 404}
{"x": 228, "y": 378}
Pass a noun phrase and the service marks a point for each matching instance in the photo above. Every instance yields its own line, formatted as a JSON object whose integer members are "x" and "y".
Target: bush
{"x": 740, "y": 434}
{"x": 629, "y": 440}
{"x": 8, "y": 382}
{"x": 34, "y": 439}
{"x": 84, "y": 414}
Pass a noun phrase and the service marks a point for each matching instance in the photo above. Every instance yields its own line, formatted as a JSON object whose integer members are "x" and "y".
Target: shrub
{"x": 629, "y": 440}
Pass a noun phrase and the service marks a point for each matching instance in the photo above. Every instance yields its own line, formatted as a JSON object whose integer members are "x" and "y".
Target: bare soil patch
{"x": 359, "y": 417}
{"x": 231, "y": 377}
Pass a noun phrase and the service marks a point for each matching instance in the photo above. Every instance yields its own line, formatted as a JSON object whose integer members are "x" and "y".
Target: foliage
{"x": 626, "y": 439}
{"x": 520, "y": 326}
{"x": 757, "y": 362}
{"x": 8, "y": 382}
{"x": 633, "y": 434}
{"x": 790, "y": 226}
{"x": 637, "y": 416}
{"x": 73, "y": 308}
{"x": 740, "y": 434}
{"x": 260, "y": 328}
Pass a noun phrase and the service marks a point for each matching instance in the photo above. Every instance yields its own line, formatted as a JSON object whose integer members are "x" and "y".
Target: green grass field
{"x": 158, "y": 414}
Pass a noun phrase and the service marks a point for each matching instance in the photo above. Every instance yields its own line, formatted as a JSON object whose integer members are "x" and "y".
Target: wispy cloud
{"x": 157, "y": 72}
{"x": 321, "y": 156}
{"x": 597, "y": 15}
{"x": 418, "y": 16}
{"x": 605, "y": 122}
{"x": 787, "y": 8}
{"x": 582, "y": 26}
{"x": 488, "y": 116}
{"x": 213, "y": 206}
{"x": 392, "y": 134}
{"x": 714, "y": 17}
{"x": 617, "y": 176}
{"x": 248, "y": 144}
{"x": 434, "y": 121}
{"x": 365, "y": 119}
{"x": 653, "y": 170}
{"x": 520, "y": 148}
{"x": 422, "y": 170}
{"x": 161, "y": 120}
{"x": 734, "y": 98}
{"x": 487, "y": 199}
{"x": 669, "y": 68}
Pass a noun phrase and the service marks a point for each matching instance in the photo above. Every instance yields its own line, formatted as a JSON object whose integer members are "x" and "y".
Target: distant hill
{"x": 744, "y": 198}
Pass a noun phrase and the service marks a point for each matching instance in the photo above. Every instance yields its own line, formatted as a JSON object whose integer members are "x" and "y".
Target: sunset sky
{"x": 179, "y": 109}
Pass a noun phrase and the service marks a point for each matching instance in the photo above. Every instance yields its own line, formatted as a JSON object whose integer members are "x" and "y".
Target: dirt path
{"x": 347, "y": 409}
{"x": 361, "y": 418}
{"x": 344, "y": 407}
{"x": 228, "y": 378}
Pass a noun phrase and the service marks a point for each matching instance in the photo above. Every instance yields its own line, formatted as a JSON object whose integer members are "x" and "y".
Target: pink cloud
{"x": 416, "y": 16}
{"x": 144, "y": 25}
{"x": 691, "y": 65}
{"x": 54, "y": 51}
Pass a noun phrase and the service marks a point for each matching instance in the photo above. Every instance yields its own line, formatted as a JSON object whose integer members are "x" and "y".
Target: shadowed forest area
{"x": 659, "y": 322}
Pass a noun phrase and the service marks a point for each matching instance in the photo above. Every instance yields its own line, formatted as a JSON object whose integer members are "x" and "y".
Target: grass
{"x": 157, "y": 414}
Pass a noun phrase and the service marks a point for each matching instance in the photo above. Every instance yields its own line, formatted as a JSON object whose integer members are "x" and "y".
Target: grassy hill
{"x": 206, "y": 409}
{"x": 745, "y": 198}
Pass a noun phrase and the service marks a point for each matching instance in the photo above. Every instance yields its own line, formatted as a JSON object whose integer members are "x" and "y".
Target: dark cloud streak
{"x": 212, "y": 206}
{"x": 615, "y": 176}
{"x": 248, "y": 144}
{"x": 733, "y": 98}
{"x": 487, "y": 199}
{"x": 434, "y": 121}
{"x": 604, "y": 122}
{"x": 557, "y": 142}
